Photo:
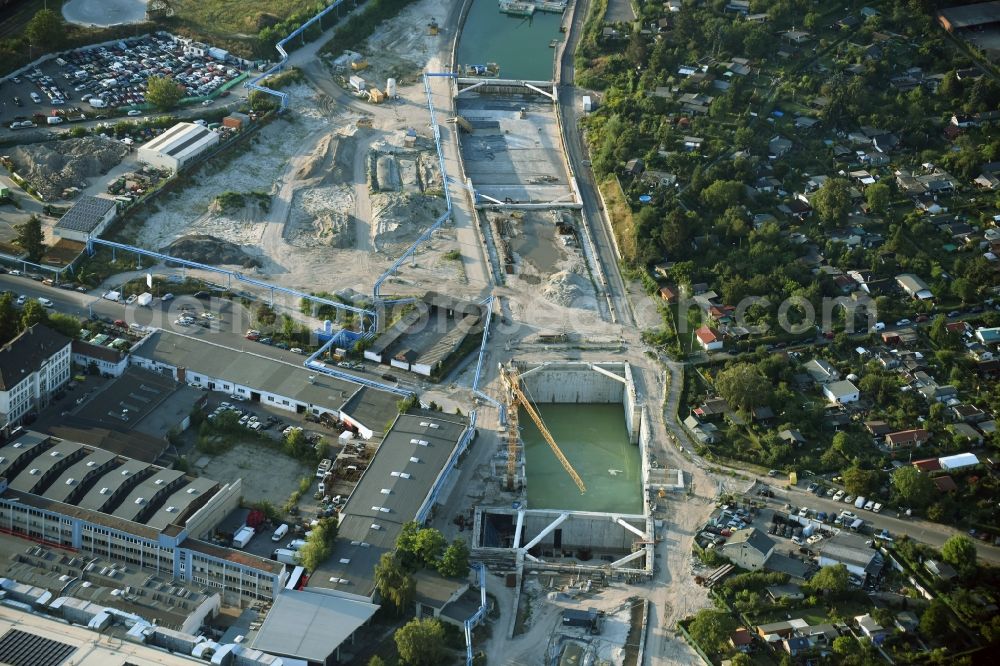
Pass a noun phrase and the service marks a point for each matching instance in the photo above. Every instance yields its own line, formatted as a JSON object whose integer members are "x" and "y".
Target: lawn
{"x": 815, "y": 615}
{"x": 235, "y": 18}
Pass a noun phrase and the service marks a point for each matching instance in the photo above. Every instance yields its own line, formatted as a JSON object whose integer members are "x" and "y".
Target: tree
{"x": 297, "y": 446}
{"x": 8, "y": 319}
{"x": 722, "y": 194}
{"x": 66, "y": 324}
{"x": 394, "y": 584}
{"x": 430, "y": 545}
{"x": 832, "y": 580}
{"x": 960, "y": 552}
{"x": 832, "y": 200}
{"x": 376, "y": 661}
{"x": 319, "y": 544}
{"x": 878, "y": 196}
{"x": 913, "y": 486}
{"x": 45, "y": 30}
{"x": 744, "y": 386}
{"x": 163, "y": 92}
{"x": 31, "y": 239}
{"x": 965, "y": 289}
{"x": 845, "y": 645}
{"x": 859, "y": 481}
{"x": 455, "y": 561}
{"x": 421, "y": 642}
{"x": 934, "y": 622}
{"x": 711, "y": 629}
{"x": 33, "y": 313}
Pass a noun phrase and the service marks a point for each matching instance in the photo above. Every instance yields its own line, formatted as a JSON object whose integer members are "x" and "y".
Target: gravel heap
{"x": 54, "y": 166}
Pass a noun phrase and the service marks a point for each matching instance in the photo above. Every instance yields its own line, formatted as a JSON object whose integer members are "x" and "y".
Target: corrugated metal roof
{"x": 310, "y": 625}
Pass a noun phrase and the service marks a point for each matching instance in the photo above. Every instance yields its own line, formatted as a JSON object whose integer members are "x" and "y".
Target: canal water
{"x": 594, "y": 439}
{"x": 518, "y": 44}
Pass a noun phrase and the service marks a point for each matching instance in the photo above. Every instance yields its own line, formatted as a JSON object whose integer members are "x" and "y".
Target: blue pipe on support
{"x": 254, "y": 83}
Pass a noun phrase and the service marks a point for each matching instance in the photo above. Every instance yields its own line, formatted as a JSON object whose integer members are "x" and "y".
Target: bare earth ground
{"x": 267, "y": 475}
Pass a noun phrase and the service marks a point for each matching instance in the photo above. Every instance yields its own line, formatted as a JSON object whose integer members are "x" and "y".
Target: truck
{"x": 243, "y": 536}
{"x": 859, "y": 503}
{"x": 588, "y": 104}
{"x": 285, "y": 556}
{"x": 144, "y": 299}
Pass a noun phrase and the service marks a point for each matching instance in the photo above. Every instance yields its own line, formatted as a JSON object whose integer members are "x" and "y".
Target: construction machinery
{"x": 515, "y": 398}
{"x": 432, "y": 27}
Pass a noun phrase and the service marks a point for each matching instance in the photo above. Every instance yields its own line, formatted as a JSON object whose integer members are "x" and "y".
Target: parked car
{"x": 838, "y": 496}
{"x": 45, "y": 302}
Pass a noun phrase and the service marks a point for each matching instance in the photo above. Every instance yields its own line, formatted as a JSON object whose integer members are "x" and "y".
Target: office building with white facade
{"x": 32, "y": 367}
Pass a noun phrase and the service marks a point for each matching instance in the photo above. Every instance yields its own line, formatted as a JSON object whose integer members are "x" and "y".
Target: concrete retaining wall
{"x": 572, "y": 382}
{"x": 599, "y": 533}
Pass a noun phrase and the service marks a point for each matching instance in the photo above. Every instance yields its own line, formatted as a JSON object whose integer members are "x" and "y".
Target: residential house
{"x": 796, "y": 36}
{"x": 788, "y": 591}
{"x": 709, "y": 339}
{"x": 907, "y": 438}
{"x": 927, "y": 465}
{"x": 777, "y": 147}
{"x": 793, "y": 437}
{"x": 748, "y": 548}
{"x": 635, "y": 167}
{"x": 842, "y": 392}
{"x": 958, "y": 461}
{"x": 878, "y": 428}
{"x": 969, "y": 414}
{"x": 945, "y": 484}
{"x": 870, "y": 628}
{"x": 741, "y": 640}
{"x": 821, "y": 371}
{"x": 713, "y": 409}
{"x": 907, "y": 621}
{"x": 796, "y": 645}
{"x": 782, "y": 629}
{"x": 706, "y": 433}
{"x": 33, "y": 366}
{"x": 988, "y": 336}
{"x": 941, "y": 570}
{"x": 966, "y": 432}
{"x": 935, "y": 393}
{"x": 669, "y": 294}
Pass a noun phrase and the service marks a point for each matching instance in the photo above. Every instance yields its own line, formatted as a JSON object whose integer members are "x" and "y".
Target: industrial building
{"x": 970, "y": 17}
{"x": 32, "y": 367}
{"x": 290, "y": 387}
{"x": 88, "y": 218}
{"x": 400, "y": 485}
{"x": 424, "y": 338}
{"x": 177, "y": 146}
{"x": 131, "y": 415}
{"x": 68, "y": 496}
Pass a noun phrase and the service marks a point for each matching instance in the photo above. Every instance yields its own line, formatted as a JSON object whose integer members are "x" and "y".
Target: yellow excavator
{"x": 516, "y": 397}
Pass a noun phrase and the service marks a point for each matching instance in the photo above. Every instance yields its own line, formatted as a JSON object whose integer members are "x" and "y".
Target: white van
{"x": 280, "y": 533}
{"x": 54, "y": 120}
{"x": 295, "y": 544}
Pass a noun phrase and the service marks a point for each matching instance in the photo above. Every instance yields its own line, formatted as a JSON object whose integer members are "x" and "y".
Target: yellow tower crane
{"x": 512, "y": 381}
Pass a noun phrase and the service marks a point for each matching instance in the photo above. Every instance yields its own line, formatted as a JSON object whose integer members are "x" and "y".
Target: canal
{"x": 594, "y": 439}
{"x": 520, "y": 45}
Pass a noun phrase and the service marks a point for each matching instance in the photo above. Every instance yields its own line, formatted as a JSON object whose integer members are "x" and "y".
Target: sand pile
{"x": 320, "y": 217}
{"x": 401, "y": 217}
{"x": 52, "y": 167}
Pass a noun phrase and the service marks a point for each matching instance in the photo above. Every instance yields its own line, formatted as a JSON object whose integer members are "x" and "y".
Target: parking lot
{"x": 109, "y": 77}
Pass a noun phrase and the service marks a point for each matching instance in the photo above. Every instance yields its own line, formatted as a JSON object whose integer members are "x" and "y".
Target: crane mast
{"x": 512, "y": 381}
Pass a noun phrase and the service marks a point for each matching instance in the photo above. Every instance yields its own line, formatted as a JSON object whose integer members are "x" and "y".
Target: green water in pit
{"x": 518, "y": 44}
{"x": 593, "y": 437}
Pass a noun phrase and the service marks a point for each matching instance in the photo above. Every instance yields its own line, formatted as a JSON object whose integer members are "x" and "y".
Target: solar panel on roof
{"x": 194, "y": 138}
{"x": 20, "y": 648}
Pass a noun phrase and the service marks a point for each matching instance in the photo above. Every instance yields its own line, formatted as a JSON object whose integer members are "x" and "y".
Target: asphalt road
{"x": 569, "y": 102}
{"x": 933, "y": 534}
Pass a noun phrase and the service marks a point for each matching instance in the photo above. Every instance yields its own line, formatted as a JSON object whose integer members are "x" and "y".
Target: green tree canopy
{"x": 744, "y": 386}
{"x": 832, "y": 201}
{"x": 859, "y": 481}
{"x": 455, "y": 560}
{"x": 421, "y": 642}
{"x": 935, "y": 621}
{"x": 319, "y": 544}
{"x": 393, "y": 582}
{"x": 46, "y": 30}
{"x": 163, "y": 92}
{"x": 722, "y": 194}
{"x": 832, "y": 580}
{"x": 878, "y": 197}
{"x": 711, "y": 629}
{"x": 33, "y": 313}
{"x": 912, "y": 486}
{"x": 9, "y": 319}
{"x": 31, "y": 239}
{"x": 960, "y": 551}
